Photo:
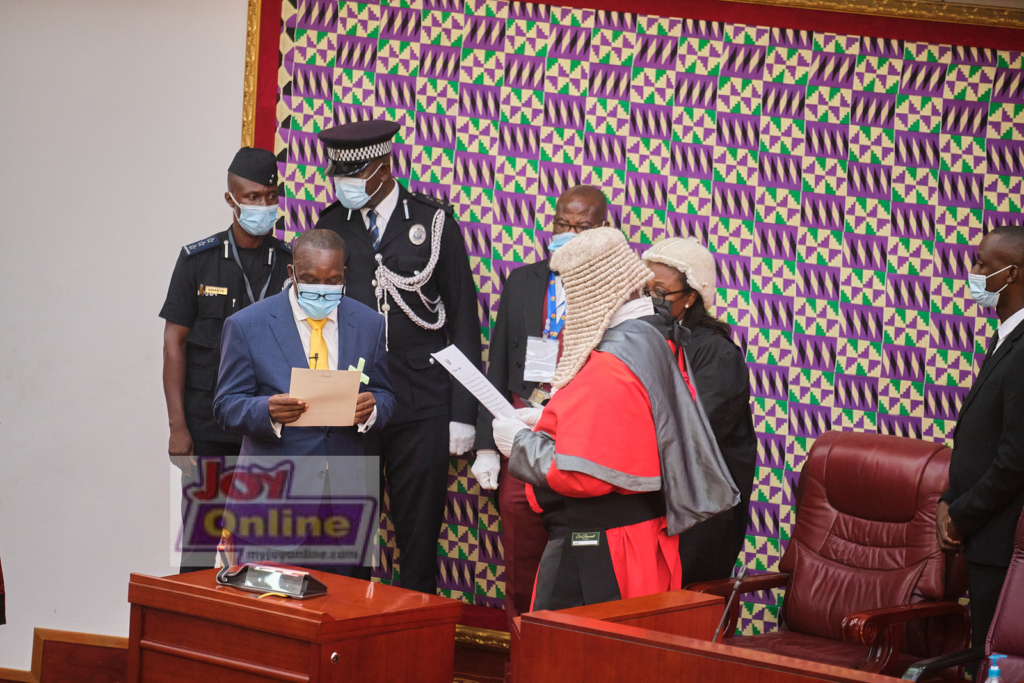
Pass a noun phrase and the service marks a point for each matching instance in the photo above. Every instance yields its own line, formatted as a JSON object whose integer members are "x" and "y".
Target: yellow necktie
{"x": 317, "y": 345}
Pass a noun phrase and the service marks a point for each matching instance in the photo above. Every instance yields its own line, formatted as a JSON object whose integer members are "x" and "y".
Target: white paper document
{"x": 455, "y": 362}
{"x": 331, "y": 395}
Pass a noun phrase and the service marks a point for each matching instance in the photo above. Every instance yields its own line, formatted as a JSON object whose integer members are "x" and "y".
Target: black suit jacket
{"x": 986, "y": 474}
{"x": 520, "y": 315}
{"x": 422, "y": 388}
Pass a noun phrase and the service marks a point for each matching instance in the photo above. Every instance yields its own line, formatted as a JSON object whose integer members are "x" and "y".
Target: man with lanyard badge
{"x": 407, "y": 260}
{"x": 214, "y": 278}
{"x": 521, "y": 362}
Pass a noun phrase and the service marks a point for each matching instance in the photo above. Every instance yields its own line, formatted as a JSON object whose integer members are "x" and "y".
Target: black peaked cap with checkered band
{"x": 351, "y": 147}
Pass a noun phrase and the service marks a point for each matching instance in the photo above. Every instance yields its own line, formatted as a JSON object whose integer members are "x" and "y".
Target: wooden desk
{"x": 577, "y": 645}
{"x": 679, "y": 613}
{"x": 187, "y": 628}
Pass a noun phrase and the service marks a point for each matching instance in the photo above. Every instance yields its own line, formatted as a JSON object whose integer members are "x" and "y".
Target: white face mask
{"x": 351, "y": 192}
{"x": 978, "y": 285}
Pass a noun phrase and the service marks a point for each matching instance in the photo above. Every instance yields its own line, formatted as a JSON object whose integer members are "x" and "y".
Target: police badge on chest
{"x": 417, "y": 234}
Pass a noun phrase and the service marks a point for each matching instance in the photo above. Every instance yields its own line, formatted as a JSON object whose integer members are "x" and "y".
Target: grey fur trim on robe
{"x": 694, "y": 477}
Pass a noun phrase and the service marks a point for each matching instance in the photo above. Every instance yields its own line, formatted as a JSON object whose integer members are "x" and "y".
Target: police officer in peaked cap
{"x": 407, "y": 260}
{"x": 214, "y": 278}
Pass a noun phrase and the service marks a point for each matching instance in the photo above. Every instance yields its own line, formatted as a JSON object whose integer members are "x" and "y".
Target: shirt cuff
{"x": 277, "y": 427}
{"x": 369, "y": 421}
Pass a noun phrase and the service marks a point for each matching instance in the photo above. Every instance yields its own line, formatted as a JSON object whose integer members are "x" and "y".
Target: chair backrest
{"x": 864, "y": 536}
{"x": 1006, "y": 637}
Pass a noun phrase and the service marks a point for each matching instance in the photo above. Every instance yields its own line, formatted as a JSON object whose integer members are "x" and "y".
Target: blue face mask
{"x": 351, "y": 192}
{"x": 255, "y": 220}
{"x": 318, "y": 300}
{"x": 560, "y": 240}
{"x": 978, "y": 285}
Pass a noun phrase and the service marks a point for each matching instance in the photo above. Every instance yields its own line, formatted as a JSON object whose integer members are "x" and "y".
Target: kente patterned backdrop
{"x": 842, "y": 182}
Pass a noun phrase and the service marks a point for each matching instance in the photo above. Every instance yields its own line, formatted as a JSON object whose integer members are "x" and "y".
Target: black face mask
{"x": 662, "y": 307}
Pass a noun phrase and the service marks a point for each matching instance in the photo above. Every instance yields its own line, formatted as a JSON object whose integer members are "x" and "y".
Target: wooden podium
{"x": 187, "y": 628}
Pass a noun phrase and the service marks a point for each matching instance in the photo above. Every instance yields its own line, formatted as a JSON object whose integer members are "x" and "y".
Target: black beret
{"x": 351, "y": 146}
{"x": 257, "y": 165}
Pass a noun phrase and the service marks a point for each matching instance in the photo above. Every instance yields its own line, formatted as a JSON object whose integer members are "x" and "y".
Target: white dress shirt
{"x": 384, "y": 211}
{"x": 1008, "y": 326}
{"x": 330, "y": 332}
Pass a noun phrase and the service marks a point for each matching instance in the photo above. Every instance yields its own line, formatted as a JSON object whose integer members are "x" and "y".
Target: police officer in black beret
{"x": 212, "y": 279}
{"x": 406, "y": 259}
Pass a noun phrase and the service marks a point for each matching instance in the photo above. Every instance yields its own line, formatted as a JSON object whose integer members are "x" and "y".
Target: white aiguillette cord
{"x": 389, "y": 282}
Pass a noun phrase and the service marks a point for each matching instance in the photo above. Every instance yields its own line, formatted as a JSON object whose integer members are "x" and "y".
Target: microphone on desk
{"x": 740, "y": 575}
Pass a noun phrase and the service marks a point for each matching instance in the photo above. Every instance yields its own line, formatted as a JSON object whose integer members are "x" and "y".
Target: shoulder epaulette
{"x": 284, "y": 246}
{"x": 202, "y": 245}
{"x": 442, "y": 204}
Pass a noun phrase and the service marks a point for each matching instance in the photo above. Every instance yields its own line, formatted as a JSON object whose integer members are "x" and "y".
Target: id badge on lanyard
{"x": 542, "y": 352}
{"x": 541, "y": 359}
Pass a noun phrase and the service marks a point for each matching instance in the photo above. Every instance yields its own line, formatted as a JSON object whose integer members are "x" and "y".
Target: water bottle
{"x": 994, "y": 675}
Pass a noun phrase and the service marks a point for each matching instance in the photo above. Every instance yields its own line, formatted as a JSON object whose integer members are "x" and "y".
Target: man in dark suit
{"x": 407, "y": 260}
{"x": 310, "y": 325}
{"x": 979, "y": 511}
{"x": 532, "y": 306}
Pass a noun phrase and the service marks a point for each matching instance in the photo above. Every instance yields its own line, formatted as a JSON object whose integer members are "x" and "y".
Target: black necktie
{"x": 992, "y": 347}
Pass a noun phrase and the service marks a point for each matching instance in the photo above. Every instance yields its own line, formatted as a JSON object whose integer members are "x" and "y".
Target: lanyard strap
{"x": 555, "y": 320}
{"x": 245, "y": 278}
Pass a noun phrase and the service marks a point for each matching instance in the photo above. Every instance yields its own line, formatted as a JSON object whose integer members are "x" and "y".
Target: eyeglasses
{"x": 658, "y": 293}
{"x": 562, "y": 226}
{"x": 315, "y": 296}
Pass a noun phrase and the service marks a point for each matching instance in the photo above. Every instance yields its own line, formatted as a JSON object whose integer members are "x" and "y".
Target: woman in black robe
{"x": 684, "y": 283}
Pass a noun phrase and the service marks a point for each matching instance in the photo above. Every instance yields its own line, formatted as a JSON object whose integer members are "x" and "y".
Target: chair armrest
{"x": 881, "y": 629}
{"x": 864, "y": 628}
{"x": 723, "y": 587}
{"x": 924, "y": 669}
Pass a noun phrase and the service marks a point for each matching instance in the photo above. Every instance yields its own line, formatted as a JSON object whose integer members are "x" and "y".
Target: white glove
{"x": 460, "y": 437}
{"x": 485, "y": 468}
{"x": 531, "y": 416}
{"x": 505, "y": 430}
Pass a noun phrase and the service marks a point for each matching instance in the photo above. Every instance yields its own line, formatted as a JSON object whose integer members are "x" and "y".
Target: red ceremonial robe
{"x": 604, "y": 415}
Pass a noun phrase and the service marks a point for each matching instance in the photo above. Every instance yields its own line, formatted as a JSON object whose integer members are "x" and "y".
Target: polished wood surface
{"x": 566, "y": 647}
{"x": 186, "y": 627}
{"x": 71, "y": 657}
{"x": 678, "y": 613}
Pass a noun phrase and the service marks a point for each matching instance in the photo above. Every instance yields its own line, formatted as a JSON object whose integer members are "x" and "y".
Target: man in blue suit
{"x": 309, "y": 325}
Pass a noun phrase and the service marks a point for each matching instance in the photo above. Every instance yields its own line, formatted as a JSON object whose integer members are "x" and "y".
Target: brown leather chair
{"x": 866, "y": 584}
{"x": 1005, "y": 636}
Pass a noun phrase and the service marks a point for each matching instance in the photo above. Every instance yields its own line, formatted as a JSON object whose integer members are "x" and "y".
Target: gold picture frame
{"x": 252, "y": 52}
{"x": 923, "y": 10}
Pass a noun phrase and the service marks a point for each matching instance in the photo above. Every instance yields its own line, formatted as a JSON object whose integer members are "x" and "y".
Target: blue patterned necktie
{"x": 374, "y": 233}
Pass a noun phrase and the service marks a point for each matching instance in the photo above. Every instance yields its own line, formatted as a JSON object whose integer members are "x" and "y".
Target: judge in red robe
{"x": 621, "y": 459}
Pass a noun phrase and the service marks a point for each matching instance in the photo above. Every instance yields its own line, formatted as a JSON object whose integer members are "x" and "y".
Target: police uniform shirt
{"x": 206, "y": 287}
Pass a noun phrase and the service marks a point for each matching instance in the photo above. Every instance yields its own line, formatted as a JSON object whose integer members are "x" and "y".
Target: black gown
{"x": 709, "y": 550}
